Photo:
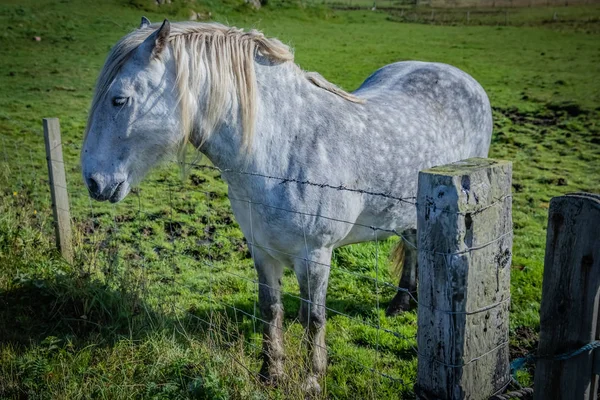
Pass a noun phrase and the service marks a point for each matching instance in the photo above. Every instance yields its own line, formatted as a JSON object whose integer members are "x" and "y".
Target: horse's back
{"x": 453, "y": 101}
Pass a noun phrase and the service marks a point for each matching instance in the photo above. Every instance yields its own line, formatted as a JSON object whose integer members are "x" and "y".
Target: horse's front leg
{"x": 312, "y": 272}
{"x": 270, "y": 273}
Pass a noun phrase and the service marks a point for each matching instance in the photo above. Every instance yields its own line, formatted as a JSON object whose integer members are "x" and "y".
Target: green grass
{"x": 125, "y": 319}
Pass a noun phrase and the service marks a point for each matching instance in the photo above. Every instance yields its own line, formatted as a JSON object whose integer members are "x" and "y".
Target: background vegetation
{"x": 130, "y": 317}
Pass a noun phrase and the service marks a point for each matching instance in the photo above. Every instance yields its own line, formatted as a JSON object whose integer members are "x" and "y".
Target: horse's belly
{"x": 285, "y": 227}
{"x": 381, "y": 220}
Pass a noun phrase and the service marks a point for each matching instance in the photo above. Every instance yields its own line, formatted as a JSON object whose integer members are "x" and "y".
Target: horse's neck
{"x": 286, "y": 99}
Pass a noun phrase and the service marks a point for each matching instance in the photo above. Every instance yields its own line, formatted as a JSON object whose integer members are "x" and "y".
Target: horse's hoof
{"x": 397, "y": 306}
{"x": 271, "y": 375}
{"x": 311, "y": 387}
{"x": 271, "y": 380}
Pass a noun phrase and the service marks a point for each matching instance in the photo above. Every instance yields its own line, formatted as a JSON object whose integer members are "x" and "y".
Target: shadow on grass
{"x": 76, "y": 308}
{"x": 68, "y": 308}
{"x": 69, "y": 332}
{"x": 86, "y": 312}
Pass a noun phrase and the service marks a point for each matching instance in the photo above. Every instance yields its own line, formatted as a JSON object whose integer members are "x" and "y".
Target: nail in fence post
{"x": 570, "y": 298}
{"x": 464, "y": 226}
{"x": 58, "y": 187}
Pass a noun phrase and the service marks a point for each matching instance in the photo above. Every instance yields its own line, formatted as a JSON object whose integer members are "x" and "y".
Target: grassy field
{"x": 567, "y": 19}
{"x": 129, "y": 318}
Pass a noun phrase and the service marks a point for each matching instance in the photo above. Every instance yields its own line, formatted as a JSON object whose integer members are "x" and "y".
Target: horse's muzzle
{"x": 103, "y": 189}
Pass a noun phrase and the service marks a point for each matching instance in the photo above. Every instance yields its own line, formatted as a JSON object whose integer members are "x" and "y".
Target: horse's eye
{"x": 119, "y": 101}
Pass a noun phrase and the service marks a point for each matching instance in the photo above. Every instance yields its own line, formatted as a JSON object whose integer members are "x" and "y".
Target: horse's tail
{"x": 397, "y": 260}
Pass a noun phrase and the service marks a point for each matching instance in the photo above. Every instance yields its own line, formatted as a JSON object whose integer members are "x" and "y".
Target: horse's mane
{"x": 226, "y": 55}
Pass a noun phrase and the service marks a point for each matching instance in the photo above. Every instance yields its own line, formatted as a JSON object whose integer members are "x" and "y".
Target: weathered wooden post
{"x": 58, "y": 187}
{"x": 464, "y": 226}
{"x": 570, "y": 297}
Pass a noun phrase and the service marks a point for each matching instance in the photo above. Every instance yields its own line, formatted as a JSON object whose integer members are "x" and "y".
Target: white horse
{"x": 239, "y": 98}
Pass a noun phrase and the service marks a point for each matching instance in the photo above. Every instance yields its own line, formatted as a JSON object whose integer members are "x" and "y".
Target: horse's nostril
{"x": 93, "y": 185}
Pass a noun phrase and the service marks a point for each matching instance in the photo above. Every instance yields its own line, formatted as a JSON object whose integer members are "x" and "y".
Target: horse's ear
{"x": 145, "y": 23}
{"x": 161, "y": 38}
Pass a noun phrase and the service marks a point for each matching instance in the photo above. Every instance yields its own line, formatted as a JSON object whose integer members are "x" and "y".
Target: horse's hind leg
{"x": 313, "y": 275}
{"x": 408, "y": 280}
{"x": 270, "y": 273}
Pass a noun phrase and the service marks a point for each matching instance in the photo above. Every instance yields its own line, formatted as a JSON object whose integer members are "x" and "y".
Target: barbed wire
{"x": 341, "y": 187}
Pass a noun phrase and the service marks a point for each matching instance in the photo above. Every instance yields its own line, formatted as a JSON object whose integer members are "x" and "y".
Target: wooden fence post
{"x": 58, "y": 187}
{"x": 464, "y": 226}
{"x": 570, "y": 297}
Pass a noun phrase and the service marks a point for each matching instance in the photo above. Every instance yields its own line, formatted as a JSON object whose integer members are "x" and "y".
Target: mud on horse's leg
{"x": 402, "y": 301}
{"x": 270, "y": 273}
{"x": 313, "y": 276}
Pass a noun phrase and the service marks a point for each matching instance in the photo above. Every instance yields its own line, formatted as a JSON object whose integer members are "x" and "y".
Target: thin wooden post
{"x": 58, "y": 187}
{"x": 464, "y": 226}
{"x": 570, "y": 298}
